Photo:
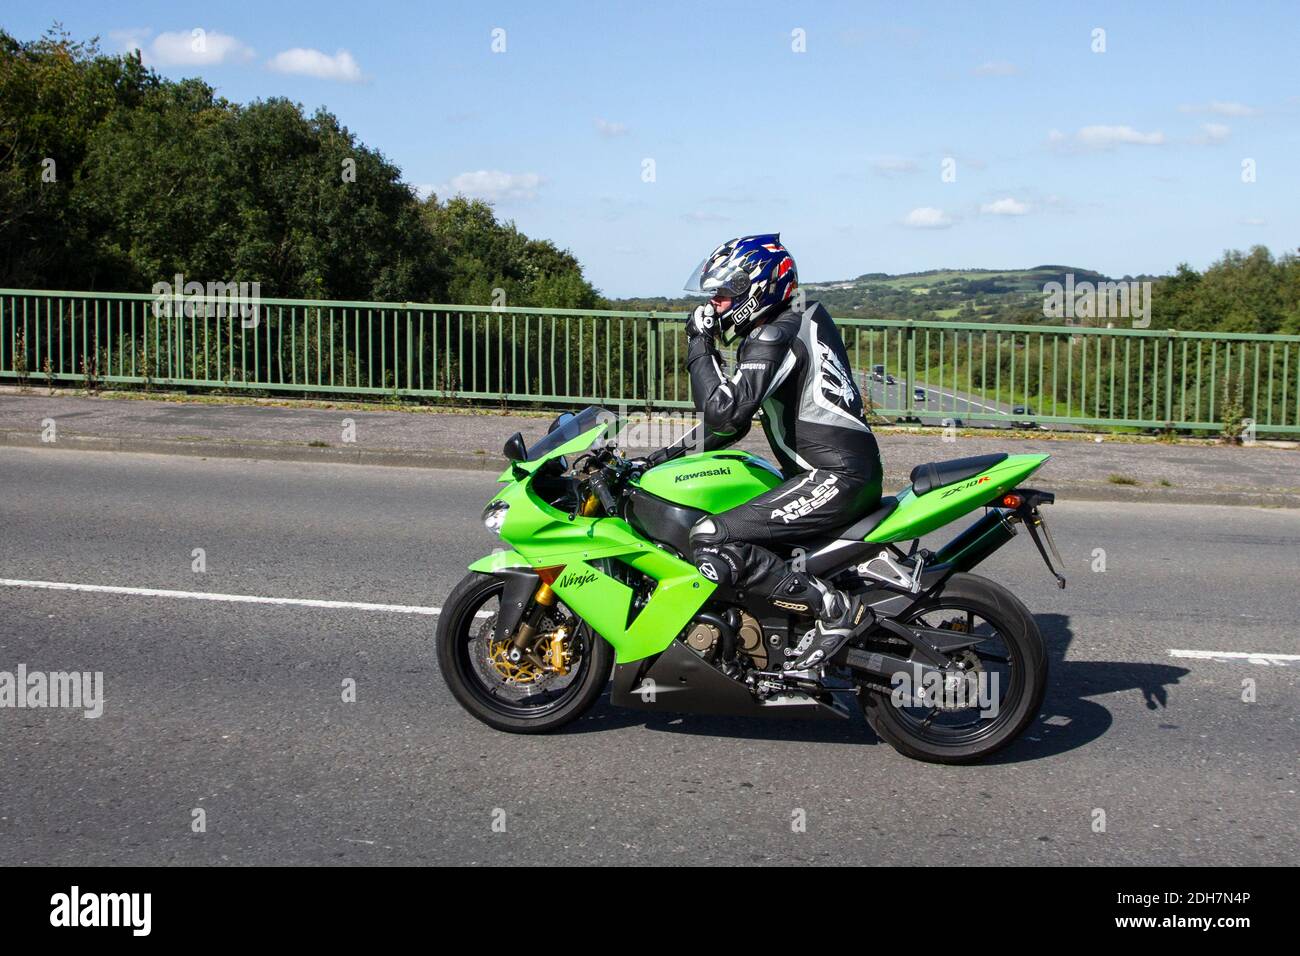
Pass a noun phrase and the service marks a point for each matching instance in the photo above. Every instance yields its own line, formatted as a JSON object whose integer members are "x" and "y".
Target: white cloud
{"x": 304, "y": 62}
{"x": 1007, "y": 206}
{"x": 893, "y": 166}
{"x": 1219, "y": 108}
{"x": 1106, "y": 137}
{"x": 606, "y": 128}
{"x": 1212, "y": 133}
{"x": 927, "y": 217}
{"x": 996, "y": 68}
{"x": 130, "y": 38}
{"x": 1254, "y": 221}
{"x": 493, "y": 184}
{"x": 197, "y": 47}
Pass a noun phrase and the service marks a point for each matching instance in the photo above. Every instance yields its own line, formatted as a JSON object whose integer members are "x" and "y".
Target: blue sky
{"x": 1128, "y": 160}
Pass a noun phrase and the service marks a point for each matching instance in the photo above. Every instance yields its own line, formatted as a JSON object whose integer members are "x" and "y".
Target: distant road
{"x": 939, "y": 403}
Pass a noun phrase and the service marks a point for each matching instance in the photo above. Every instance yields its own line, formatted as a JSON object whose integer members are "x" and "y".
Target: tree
{"x": 153, "y": 177}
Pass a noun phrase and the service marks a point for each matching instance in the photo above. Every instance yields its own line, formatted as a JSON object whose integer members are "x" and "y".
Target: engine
{"x": 705, "y": 638}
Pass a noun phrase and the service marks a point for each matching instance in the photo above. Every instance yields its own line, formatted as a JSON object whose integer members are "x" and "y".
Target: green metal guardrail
{"x": 1138, "y": 378}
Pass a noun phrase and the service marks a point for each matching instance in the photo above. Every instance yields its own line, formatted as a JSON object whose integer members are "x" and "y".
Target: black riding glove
{"x": 703, "y": 321}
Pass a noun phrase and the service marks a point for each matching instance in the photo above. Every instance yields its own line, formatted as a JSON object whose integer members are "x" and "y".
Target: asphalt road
{"x": 236, "y": 709}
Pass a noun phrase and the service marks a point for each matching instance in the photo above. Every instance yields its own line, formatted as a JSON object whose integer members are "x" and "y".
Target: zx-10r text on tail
{"x": 594, "y": 578}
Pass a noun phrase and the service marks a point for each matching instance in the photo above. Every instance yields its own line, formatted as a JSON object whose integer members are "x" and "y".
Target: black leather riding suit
{"x": 795, "y": 368}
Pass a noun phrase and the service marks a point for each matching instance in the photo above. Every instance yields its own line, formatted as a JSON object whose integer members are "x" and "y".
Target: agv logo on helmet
{"x": 748, "y": 280}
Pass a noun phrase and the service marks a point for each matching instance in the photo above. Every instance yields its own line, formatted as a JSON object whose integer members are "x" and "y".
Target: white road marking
{"x": 236, "y": 598}
{"x": 970, "y": 402}
{"x": 958, "y": 398}
{"x": 1252, "y": 657}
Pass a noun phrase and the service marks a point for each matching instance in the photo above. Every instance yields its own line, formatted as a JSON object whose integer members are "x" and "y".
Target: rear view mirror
{"x": 515, "y": 449}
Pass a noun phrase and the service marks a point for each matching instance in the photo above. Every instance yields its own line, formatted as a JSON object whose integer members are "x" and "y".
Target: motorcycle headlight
{"x": 494, "y": 516}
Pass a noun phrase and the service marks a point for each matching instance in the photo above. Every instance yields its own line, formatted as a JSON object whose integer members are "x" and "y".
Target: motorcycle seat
{"x": 940, "y": 474}
{"x": 868, "y": 522}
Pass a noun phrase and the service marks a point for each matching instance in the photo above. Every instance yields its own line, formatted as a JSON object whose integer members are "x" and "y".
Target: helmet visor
{"x": 726, "y": 280}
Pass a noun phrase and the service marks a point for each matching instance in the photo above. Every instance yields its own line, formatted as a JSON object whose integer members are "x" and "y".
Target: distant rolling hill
{"x": 972, "y": 295}
{"x": 966, "y": 281}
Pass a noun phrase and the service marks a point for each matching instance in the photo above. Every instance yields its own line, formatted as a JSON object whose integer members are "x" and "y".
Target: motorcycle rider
{"x": 791, "y": 363}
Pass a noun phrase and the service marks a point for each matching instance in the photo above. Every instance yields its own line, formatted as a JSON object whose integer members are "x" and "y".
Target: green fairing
{"x": 498, "y": 560}
{"x": 713, "y": 481}
{"x": 604, "y": 602}
{"x": 545, "y": 537}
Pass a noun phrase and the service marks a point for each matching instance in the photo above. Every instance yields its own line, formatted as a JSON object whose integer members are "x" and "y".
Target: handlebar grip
{"x": 601, "y": 487}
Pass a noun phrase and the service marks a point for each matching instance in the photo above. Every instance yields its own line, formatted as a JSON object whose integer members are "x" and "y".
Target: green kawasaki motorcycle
{"x": 596, "y": 577}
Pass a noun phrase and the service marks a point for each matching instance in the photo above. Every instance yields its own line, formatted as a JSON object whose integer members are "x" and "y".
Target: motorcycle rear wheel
{"x": 1021, "y": 656}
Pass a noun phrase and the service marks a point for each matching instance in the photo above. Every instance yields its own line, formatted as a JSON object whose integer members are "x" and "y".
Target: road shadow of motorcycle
{"x": 1070, "y": 717}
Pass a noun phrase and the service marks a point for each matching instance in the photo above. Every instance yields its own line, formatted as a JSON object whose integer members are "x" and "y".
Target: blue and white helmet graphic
{"x": 755, "y": 273}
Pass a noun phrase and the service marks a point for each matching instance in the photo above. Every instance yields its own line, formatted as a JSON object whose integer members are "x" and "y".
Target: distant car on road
{"x": 952, "y": 423}
{"x": 918, "y": 394}
{"x": 1022, "y": 422}
{"x": 878, "y": 373}
{"x": 890, "y": 380}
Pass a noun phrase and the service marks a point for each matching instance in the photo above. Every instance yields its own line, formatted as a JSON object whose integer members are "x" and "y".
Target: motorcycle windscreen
{"x": 575, "y": 425}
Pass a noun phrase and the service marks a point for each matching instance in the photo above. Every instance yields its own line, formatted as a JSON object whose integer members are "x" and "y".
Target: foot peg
{"x": 828, "y": 638}
{"x": 885, "y": 569}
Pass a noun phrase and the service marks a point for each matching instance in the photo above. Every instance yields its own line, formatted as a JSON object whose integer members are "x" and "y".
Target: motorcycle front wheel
{"x": 509, "y": 696}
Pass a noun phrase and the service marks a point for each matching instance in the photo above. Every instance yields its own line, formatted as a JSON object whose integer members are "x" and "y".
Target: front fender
{"x": 500, "y": 559}
{"x": 521, "y": 583}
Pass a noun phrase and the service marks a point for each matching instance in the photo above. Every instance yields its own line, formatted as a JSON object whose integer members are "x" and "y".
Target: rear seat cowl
{"x": 940, "y": 474}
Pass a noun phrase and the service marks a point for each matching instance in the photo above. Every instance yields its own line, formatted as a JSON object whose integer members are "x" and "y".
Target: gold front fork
{"x": 557, "y": 651}
{"x": 544, "y": 597}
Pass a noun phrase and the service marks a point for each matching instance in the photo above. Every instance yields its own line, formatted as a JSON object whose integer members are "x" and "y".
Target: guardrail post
{"x": 652, "y": 362}
{"x": 910, "y": 373}
{"x": 407, "y": 310}
{"x": 1170, "y": 335}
